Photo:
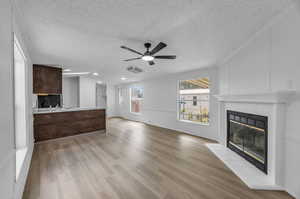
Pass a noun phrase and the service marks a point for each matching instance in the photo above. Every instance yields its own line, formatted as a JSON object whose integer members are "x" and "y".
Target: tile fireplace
{"x": 247, "y": 135}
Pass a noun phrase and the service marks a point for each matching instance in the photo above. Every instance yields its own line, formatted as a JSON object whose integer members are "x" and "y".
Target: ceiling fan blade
{"x": 131, "y": 50}
{"x": 151, "y": 63}
{"x": 165, "y": 57}
{"x": 157, "y": 48}
{"x": 132, "y": 59}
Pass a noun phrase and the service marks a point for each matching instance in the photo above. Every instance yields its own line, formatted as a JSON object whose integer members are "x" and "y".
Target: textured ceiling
{"x": 85, "y": 35}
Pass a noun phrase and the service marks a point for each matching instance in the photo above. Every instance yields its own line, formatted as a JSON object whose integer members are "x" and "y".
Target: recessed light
{"x": 96, "y": 74}
{"x": 77, "y": 73}
{"x": 123, "y": 78}
{"x": 99, "y": 82}
{"x": 67, "y": 70}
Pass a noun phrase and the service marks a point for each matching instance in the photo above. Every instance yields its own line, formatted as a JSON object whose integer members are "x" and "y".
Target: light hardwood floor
{"x": 133, "y": 161}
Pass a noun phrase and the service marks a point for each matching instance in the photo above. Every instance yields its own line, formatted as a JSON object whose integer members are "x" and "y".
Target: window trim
{"x": 120, "y": 96}
{"x": 178, "y": 100}
{"x": 130, "y": 100}
{"x": 20, "y": 151}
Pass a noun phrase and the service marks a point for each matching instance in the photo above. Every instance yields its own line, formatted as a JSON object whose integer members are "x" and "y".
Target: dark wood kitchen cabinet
{"x": 62, "y": 124}
{"x": 47, "y": 80}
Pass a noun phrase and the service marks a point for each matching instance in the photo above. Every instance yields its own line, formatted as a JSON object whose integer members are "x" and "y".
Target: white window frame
{"x": 120, "y": 96}
{"x": 21, "y": 144}
{"x": 178, "y": 102}
{"x": 130, "y": 99}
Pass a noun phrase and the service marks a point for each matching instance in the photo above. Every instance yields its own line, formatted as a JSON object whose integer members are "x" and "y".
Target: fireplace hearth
{"x": 247, "y": 135}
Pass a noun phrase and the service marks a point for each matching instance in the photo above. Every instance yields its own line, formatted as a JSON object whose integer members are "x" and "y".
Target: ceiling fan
{"x": 149, "y": 56}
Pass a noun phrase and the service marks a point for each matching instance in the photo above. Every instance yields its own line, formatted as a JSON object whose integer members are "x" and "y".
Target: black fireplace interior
{"x": 247, "y": 135}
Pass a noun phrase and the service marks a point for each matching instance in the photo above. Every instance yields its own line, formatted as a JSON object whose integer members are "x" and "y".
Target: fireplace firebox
{"x": 247, "y": 135}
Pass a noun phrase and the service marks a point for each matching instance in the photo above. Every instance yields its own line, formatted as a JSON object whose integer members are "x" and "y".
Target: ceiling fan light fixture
{"x": 149, "y": 55}
{"x": 147, "y": 58}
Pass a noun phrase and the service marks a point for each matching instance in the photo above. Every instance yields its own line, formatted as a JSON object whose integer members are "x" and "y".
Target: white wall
{"x": 101, "y": 95}
{"x": 111, "y": 108}
{"x": 160, "y": 103}
{"x": 87, "y": 92}
{"x": 9, "y": 188}
{"x": 7, "y": 167}
{"x": 270, "y": 61}
{"x": 83, "y": 92}
{"x": 70, "y": 91}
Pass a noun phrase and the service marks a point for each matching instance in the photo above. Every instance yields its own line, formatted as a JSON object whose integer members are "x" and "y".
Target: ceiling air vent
{"x": 134, "y": 69}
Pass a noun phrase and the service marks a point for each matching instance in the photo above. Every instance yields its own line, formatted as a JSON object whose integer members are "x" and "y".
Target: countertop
{"x": 58, "y": 110}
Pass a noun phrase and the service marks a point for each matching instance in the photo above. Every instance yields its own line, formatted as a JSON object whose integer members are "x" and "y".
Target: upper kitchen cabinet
{"x": 47, "y": 80}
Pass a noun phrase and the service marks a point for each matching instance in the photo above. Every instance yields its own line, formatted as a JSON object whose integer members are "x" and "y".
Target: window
{"x": 20, "y": 106}
{"x": 120, "y": 96}
{"x": 136, "y": 99}
{"x": 194, "y": 100}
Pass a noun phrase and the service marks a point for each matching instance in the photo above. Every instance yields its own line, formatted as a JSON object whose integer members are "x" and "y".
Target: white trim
{"x": 193, "y": 122}
{"x": 20, "y": 183}
{"x": 20, "y": 158}
{"x": 136, "y": 113}
{"x": 194, "y": 91}
{"x": 17, "y": 43}
{"x": 178, "y": 94}
{"x": 135, "y": 98}
{"x": 75, "y": 73}
{"x": 276, "y": 97}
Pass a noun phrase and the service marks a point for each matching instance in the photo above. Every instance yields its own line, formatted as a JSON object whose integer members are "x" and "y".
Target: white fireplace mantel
{"x": 276, "y": 97}
{"x": 270, "y": 104}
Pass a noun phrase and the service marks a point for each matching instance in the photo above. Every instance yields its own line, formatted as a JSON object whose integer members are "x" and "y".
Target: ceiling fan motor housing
{"x": 147, "y": 45}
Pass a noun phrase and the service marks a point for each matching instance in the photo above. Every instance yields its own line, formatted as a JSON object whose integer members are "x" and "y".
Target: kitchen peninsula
{"x": 61, "y": 122}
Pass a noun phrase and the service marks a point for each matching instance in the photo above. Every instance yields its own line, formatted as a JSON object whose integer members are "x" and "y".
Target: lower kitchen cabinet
{"x": 62, "y": 124}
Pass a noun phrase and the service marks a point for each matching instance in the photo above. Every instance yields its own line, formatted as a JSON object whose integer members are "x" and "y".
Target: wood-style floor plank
{"x": 133, "y": 161}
